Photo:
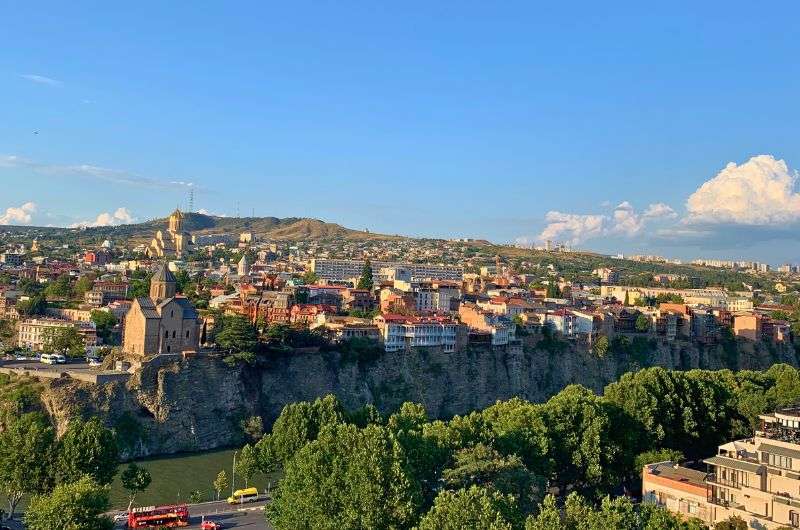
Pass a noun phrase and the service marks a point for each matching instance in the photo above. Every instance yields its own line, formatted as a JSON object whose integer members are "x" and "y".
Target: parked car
{"x": 121, "y": 517}
{"x": 210, "y": 525}
{"x": 95, "y": 362}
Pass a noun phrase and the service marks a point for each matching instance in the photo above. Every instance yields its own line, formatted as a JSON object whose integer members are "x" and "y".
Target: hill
{"x": 290, "y": 228}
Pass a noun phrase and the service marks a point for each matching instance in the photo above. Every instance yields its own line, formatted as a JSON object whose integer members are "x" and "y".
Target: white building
{"x": 400, "y": 332}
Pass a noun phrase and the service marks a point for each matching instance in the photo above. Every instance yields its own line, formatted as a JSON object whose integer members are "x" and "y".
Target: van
{"x": 244, "y": 495}
{"x": 47, "y": 358}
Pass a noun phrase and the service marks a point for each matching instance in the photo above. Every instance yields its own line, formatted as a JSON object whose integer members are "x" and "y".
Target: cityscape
{"x": 430, "y": 266}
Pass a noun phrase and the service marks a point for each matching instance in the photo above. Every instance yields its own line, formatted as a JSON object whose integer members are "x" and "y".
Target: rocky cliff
{"x": 199, "y": 403}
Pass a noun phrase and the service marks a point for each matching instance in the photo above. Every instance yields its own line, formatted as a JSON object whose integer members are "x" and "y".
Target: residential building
{"x": 33, "y": 333}
{"x": 501, "y": 329}
{"x": 399, "y": 332}
{"x": 756, "y": 479}
{"x": 343, "y": 269}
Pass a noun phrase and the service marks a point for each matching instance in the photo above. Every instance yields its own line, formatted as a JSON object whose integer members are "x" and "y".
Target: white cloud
{"x": 659, "y": 210}
{"x": 114, "y": 176}
{"x": 213, "y": 214}
{"x": 21, "y": 215}
{"x": 623, "y": 221}
{"x": 759, "y": 192}
{"x": 572, "y": 228}
{"x": 41, "y": 79}
{"x": 626, "y": 221}
{"x": 120, "y": 217}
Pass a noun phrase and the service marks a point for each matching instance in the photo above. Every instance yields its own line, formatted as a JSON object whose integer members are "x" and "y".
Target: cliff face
{"x": 199, "y": 403}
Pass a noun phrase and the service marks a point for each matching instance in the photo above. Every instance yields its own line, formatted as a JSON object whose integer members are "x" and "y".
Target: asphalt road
{"x": 246, "y": 516}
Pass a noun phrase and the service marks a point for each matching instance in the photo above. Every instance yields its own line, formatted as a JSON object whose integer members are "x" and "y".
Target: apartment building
{"x": 32, "y": 333}
{"x": 399, "y": 332}
{"x": 343, "y": 269}
{"x": 717, "y": 298}
{"x": 757, "y": 479}
{"x": 501, "y": 329}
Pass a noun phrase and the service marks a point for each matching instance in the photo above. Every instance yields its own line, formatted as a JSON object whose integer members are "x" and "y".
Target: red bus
{"x": 171, "y": 516}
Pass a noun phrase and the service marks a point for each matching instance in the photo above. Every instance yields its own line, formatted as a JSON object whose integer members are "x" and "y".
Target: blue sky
{"x": 453, "y": 119}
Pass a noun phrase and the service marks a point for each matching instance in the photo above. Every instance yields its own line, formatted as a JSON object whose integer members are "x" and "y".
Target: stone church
{"x": 161, "y": 322}
{"x": 173, "y": 243}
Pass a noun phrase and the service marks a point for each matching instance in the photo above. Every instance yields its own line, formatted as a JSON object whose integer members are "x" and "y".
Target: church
{"x": 161, "y": 322}
{"x": 173, "y": 243}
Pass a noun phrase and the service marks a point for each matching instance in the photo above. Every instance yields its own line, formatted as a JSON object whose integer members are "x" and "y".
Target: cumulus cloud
{"x": 622, "y": 221}
{"x": 760, "y": 192}
{"x": 659, "y": 210}
{"x": 626, "y": 221}
{"x": 120, "y": 217}
{"x": 18, "y": 215}
{"x": 573, "y": 228}
{"x": 114, "y": 176}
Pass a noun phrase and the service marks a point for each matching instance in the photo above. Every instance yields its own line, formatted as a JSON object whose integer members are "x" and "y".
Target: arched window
{"x": 187, "y": 333}
{"x": 171, "y": 314}
{"x": 166, "y": 334}
{"x": 173, "y": 333}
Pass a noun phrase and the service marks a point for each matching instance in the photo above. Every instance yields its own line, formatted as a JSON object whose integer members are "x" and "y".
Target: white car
{"x": 95, "y": 362}
{"x": 120, "y": 517}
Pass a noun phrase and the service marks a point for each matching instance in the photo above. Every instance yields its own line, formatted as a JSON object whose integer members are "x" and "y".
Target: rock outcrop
{"x": 200, "y": 403}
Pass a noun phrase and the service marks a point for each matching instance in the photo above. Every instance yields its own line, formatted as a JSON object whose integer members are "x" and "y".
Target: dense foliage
{"x": 493, "y": 467}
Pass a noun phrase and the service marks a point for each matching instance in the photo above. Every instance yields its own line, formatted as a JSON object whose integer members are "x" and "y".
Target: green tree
{"x": 553, "y": 290}
{"x": 601, "y": 346}
{"x": 253, "y": 428}
{"x": 299, "y": 424}
{"x": 366, "y": 281}
{"x": 34, "y": 305}
{"x": 59, "y": 288}
{"x": 310, "y": 278}
{"x": 221, "y": 483}
{"x": 88, "y": 448}
{"x": 642, "y": 323}
{"x": 76, "y": 505}
{"x": 64, "y": 340}
{"x": 247, "y": 463}
{"x": 347, "y": 478}
{"x": 481, "y": 465}
{"x": 475, "y": 508}
{"x": 83, "y": 285}
{"x": 26, "y": 458}
{"x": 135, "y": 480}
{"x": 196, "y": 496}
{"x": 104, "y": 322}
{"x": 548, "y": 518}
{"x": 237, "y": 335}
{"x": 734, "y": 522}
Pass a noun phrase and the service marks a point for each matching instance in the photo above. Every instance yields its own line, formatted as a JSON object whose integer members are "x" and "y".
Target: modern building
{"x": 757, "y": 478}
{"x": 343, "y": 269}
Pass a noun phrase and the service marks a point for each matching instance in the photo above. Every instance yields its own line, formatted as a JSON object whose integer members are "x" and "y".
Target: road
{"x": 247, "y": 516}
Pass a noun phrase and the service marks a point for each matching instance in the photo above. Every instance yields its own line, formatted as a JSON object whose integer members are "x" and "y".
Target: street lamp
{"x": 233, "y": 473}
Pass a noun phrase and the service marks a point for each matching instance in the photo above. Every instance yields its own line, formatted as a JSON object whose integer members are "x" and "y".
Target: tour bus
{"x": 242, "y": 496}
{"x": 170, "y": 516}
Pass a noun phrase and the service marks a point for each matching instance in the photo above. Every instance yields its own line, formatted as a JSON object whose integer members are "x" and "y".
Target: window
{"x": 187, "y": 333}
{"x": 794, "y": 518}
{"x": 173, "y": 333}
{"x": 166, "y": 334}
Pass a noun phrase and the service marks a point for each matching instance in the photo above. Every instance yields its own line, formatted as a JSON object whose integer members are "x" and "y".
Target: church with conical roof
{"x": 162, "y": 322}
{"x": 173, "y": 243}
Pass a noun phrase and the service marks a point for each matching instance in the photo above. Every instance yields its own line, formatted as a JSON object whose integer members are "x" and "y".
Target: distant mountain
{"x": 290, "y": 228}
